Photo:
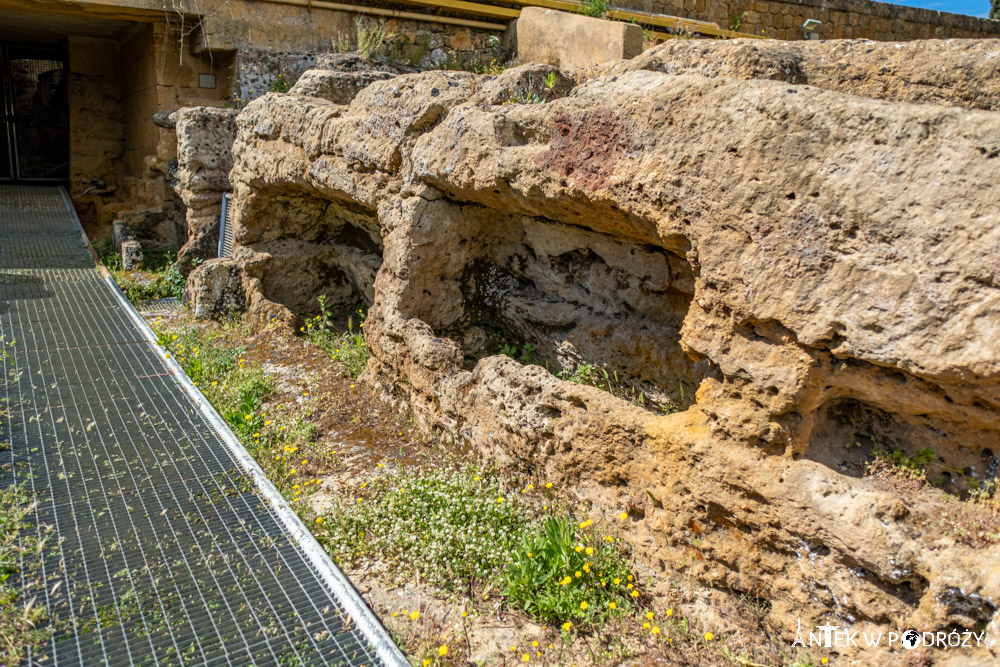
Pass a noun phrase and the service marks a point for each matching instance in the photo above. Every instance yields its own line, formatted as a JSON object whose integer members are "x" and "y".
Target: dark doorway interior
{"x": 34, "y": 118}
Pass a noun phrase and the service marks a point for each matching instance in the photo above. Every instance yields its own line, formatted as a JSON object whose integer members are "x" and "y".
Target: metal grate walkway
{"x": 166, "y": 544}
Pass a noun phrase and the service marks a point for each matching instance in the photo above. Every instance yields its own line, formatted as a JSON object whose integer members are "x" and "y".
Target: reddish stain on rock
{"x": 586, "y": 147}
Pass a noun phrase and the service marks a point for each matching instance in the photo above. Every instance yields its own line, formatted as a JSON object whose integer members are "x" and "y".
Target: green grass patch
{"x": 345, "y": 344}
{"x": 468, "y": 533}
{"x": 281, "y": 440}
{"x": 595, "y": 376}
{"x": 158, "y": 279}
{"x": 22, "y": 622}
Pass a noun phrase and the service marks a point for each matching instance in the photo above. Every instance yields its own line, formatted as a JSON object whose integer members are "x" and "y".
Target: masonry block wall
{"x": 842, "y": 19}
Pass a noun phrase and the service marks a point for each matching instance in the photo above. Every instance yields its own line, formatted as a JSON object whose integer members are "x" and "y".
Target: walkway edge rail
{"x": 353, "y": 603}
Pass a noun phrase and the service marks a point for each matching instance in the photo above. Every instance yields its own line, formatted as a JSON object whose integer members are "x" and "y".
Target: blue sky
{"x": 971, "y": 7}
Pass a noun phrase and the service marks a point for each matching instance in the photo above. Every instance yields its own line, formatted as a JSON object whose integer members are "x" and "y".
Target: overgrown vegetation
{"x": 158, "y": 279}
{"x": 279, "y": 84}
{"x": 371, "y": 39}
{"x": 283, "y": 440}
{"x": 346, "y": 346}
{"x": 611, "y": 382}
{"x": 22, "y": 622}
{"x": 466, "y": 531}
{"x": 595, "y": 8}
{"x": 533, "y": 93}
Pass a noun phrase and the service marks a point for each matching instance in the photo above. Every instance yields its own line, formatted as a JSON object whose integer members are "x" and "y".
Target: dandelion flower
{"x": 617, "y": 581}
{"x": 525, "y": 658}
{"x": 548, "y": 485}
{"x": 655, "y": 630}
{"x": 670, "y": 612}
{"x": 612, "y": 605}
{"x": 566, "y": 626}
{"x": 635, "y": 594}
{"x": 584, "y": 605}
{"x": 709, "y": 636}
{"x": 534, "y": 643}
{"x": 623, "y": 516}
{"x": 649, "y": 615}
{"x": 567, "y": 581}
{"x": 319, "y": 519}
{"x": 414, "y": 615}
{"x": 609, "y": 539}
{"x": 427, "y": 662}
{"x": 646, "y": 626}
{"x": 500, "y": 499}
{"x": 823, "y": 661}
{"x": 442, "y": 650}
{"x": 579, "y": 548}
{"x": 578, "y": 574}
{"x": 586, "y": 524}
{"x": 590, "y": 551}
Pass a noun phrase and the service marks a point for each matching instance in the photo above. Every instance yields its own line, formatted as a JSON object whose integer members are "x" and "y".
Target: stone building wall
{"x": 842, "y": 19}
{"x": 95, "y": 119}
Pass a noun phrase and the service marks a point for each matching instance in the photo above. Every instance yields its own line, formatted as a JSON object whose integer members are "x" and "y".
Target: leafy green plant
{"x": 564, "y": 572}
{"x": 736, "y": 21}
{"x": 898, "y": 462}
{"x": 158, "y": 279}
{"x": 347, "y": 347}
{"x": 524, "y": 354}
{"x": 279, "y": 84}
{"x": 595, "y": 8}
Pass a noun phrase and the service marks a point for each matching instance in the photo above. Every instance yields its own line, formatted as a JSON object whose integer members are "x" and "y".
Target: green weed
{"x": 463, "y": 531}
{"x": 159, "y": 278}
{"x": 595, "y": 376}
{"x": 21, "y": 621}
{"x": 563, "y": 572}
{"x": 595, "y": 8}
{"x": 348, "y": 347}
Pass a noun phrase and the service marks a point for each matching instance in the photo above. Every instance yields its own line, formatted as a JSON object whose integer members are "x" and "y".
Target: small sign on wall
{"x": 206, "y": 81}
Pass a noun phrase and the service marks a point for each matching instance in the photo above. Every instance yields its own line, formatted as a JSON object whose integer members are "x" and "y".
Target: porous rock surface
{"x": 797, "y": 270}
{"x": 954, "y": 72}
{"x": 205, "y": 137}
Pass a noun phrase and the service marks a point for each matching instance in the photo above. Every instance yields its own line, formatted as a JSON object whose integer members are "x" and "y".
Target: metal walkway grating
{"x": 166, "y": 546}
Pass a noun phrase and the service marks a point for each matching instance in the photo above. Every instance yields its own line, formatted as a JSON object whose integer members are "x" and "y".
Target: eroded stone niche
{"x": 309, "y": 247}
{"x": 572, "y": 295}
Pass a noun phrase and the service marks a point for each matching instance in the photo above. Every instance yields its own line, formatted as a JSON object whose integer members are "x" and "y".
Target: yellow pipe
{"x": 392, "y": 13}
{"x": 492, "y": 11}
{"x": 661, "y": 20}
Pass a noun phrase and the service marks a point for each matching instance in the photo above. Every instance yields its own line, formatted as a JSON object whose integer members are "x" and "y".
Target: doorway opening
{"x": 34, "y": 114}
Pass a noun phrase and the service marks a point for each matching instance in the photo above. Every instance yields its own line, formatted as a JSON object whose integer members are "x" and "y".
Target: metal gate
{"x": 34, "y": 116}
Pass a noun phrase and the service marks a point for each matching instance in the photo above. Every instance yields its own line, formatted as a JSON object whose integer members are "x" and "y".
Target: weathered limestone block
{"x": 955, "y": 72}
{"x": 215, "y": 289}
{"x": 335, "y": 87}
{"x": 131, "y": 255}
{"x": 569, "y": 41}
{"x": 800, "y": 274}
{"x": 205, "y": 138}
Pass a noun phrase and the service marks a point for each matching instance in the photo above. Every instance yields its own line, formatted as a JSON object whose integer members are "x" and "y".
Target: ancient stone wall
{"x": 797, "y": 275}
{"x": 97, "y": 132}
{"x": 842, "y": 19}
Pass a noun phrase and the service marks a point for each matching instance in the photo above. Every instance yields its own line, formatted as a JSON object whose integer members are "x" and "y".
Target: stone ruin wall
{"x": 746, "y": 231}
{"x": 842, "y": 19}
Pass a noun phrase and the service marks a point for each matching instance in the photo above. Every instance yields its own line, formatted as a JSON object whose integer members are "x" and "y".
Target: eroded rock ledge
{"x": 800, "y": 270}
